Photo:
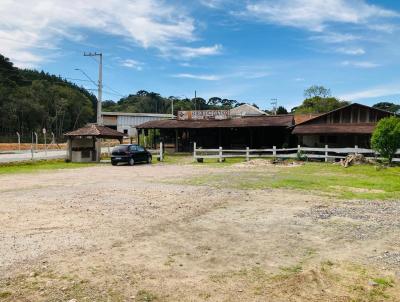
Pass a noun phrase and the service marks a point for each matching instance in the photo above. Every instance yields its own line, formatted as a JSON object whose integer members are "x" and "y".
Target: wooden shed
{"x": 344, "y": 127}
{"x": 84, "y": 144}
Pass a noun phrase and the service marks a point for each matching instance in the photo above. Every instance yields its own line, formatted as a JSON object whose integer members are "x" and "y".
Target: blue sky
{"x": 251, "y": 50}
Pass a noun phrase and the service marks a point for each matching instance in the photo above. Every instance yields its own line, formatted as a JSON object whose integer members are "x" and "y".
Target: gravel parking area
{"x": 125, "y": 233}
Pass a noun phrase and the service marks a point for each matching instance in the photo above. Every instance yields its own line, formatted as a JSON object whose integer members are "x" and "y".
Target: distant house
{"x": 246, "y": 110}
{"x": 344, "y": 127}
{"x": 126, "y": 122}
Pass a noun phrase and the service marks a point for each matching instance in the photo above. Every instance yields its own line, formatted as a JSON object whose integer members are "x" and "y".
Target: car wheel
{"x": 131, "y": 162}
{"x": 114, "y": 163}
{"x": 149, "y": 159}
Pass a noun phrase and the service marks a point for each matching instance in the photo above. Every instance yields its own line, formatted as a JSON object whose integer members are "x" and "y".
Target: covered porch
{"x": 252, "y": 132}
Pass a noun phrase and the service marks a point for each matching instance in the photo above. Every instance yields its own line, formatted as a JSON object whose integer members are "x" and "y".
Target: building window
{"x": 125, "y": 131}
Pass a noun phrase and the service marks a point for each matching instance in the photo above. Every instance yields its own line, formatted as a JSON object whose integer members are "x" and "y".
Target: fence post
{"x": 247, "y": 154}
{"x": 161, "y": 151}
{"x": 356, "y": 149}
{"x": 36, "y": 140}
{"x": 19, "y": 141}
{"x": 45, "y": 141}
{"x": 326, "y": 153}
{"x": 274, "y": 151}
{"x": 194, "y": 151}
{"x": 298, "y": 149}
{"x": 220, "y": 154}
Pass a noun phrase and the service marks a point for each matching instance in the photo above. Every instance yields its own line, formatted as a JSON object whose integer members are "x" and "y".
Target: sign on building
{"x": 204, "y": 115}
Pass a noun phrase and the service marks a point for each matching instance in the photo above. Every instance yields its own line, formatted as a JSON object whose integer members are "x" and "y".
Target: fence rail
{"x": 312, "y": 153}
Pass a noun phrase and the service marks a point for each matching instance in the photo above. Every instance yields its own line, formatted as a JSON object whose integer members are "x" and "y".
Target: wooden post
{"x": 154, "y": 139}
{"x": 298, "y": 149}
{"x": 161, "y": 152}
{"x": 176, "y": 140}
{"x": 194, "y": 151}
{"x": 356, "y": 149}
{"x": 326, "y": 153}
{"x": 247, "y": 154}
{"x": 274, "y": 151}
{"x": 220, "y": 154}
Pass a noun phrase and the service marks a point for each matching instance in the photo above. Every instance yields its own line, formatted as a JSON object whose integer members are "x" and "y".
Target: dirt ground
{"x": 125, "y": 233}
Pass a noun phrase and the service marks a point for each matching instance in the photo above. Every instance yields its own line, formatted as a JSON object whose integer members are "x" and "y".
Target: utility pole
{"x": 195, "y": 100}
{"x": 100, "y": 83}
{"x": 274, "y": 103}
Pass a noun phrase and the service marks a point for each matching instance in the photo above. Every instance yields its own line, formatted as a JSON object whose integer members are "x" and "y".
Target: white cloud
{"x": 374, "y": 92}
{"x": 211, "y": 3}
{"x": 360, "y": 64}
{"x": 332, "y": 37}
{"x": 351, "y": 51}
{"x": 315, "y": 15}
{"x": 193, "y": 52}
{"x": 250, "y": 74}
{"x": 129, "y": 63}
{"x": 149, "y": 23}
{"x": 197, "y": 77}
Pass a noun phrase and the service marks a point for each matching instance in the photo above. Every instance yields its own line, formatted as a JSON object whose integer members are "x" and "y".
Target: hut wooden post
{"x": 69, "y": 149}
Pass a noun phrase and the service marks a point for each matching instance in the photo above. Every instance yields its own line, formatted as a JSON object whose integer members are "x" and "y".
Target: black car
{"x": 130, "y": 154}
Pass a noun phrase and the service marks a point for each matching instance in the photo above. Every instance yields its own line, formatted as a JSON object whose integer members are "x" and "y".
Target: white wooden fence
{"x": 158, "y": 152}
{"x": 312, "y": 153}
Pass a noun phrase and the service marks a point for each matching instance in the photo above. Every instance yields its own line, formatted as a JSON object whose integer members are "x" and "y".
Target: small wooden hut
{"x": 84, "y": 144}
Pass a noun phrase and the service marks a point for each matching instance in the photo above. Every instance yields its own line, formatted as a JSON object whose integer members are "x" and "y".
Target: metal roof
{"x": 243, "y": 122}
{"x": 95, "y": 130}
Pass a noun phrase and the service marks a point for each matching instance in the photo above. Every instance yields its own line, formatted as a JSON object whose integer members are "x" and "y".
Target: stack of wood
{"x": 353, "y": 159}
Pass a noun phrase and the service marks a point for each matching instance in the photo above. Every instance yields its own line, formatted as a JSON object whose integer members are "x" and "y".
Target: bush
{"x": 386, "y": 137}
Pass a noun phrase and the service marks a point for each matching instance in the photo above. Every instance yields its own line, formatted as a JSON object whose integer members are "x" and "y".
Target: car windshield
{"x": 120, "y": 148}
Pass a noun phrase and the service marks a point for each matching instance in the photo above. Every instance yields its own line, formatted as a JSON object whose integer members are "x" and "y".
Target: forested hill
{"x": 31, "y": 100}
{"x": 151, "y": 102}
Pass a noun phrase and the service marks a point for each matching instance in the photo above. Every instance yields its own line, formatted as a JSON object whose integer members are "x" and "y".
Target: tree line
{"x": 32, "y": 100}
{"x": 151, "y": 102}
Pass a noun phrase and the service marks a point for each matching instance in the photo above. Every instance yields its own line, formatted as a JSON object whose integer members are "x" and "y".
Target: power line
{"x": 114, "y": 90}
{"x": 100, "y": 83}
{"x": 87, "y": 76}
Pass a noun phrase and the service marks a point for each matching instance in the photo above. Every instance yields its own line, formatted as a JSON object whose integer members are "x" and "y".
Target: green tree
{"x": 319, "y": 100}
{"x": 317, "y": 91}
{"x": 387, "y": 106}
{"x": 386, "y": 137}
{"x": 281, "y": 110}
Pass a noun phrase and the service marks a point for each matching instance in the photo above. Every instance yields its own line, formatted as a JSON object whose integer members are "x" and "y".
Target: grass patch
{"x": 5, "y": 294}
{"x": 358, "y": 182}
{"x": 145, "y": 296}
{"x": 40, "y": 165}
{"x": 294, "y": 269}
{"x": 324, "y": 282}
{"x": 385, "y": 282}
